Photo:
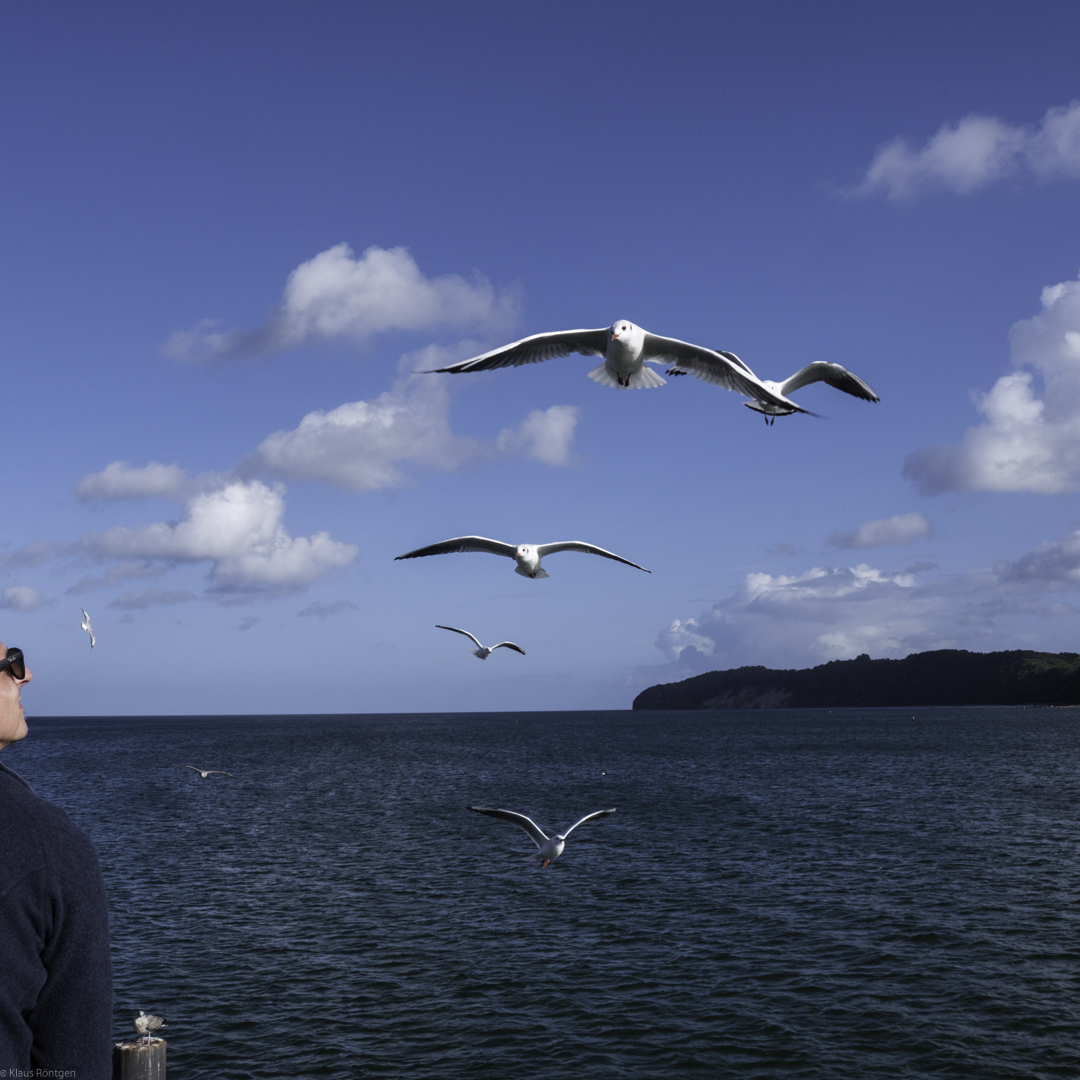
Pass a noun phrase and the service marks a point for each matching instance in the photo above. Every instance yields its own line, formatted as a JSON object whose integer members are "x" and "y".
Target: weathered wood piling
{"x": 139, "y": 1060}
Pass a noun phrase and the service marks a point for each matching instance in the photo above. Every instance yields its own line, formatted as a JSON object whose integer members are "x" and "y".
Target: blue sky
{"x": 233, "y": 231}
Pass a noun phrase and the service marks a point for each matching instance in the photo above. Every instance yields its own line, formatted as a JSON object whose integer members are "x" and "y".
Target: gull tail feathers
{"x": 646, "y": 379}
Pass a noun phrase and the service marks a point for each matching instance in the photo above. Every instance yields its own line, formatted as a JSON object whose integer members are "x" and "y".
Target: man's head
{"x": 12, "y": 720}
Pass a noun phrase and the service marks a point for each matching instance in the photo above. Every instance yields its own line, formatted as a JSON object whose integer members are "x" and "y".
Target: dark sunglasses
{"x": 14, "y": 663}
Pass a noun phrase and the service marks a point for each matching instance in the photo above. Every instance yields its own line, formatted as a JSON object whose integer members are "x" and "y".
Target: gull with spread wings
{"x": 776, "y": 402}
{"x": 482, "y": 652}
{"x": 551, "y": 847}
{"x": 527, "y": 556}
{"x": 627, "y": 348}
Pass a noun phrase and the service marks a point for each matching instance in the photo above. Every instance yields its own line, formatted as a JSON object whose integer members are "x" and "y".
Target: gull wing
{"x": 588, "y": 549}
{"x": 834, "y": 375}
{"x": 192, "y": 767}
{"x": 589, "y": 817}
{"x": 457, "y": 631}
{"x": 462, "y": 543}
{"x": 532, "y": 350}
{"x": 719, "y": 368}
{"x": 527, "y": 824}
{"x": 507, "y": 645}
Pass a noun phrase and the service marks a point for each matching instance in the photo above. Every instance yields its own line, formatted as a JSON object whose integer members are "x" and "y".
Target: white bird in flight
{"x": 482, "y": 651}
{"x": 527, "y": 556}
{"x": 551, "y": 847}
{"x": 87, "y": 627}
{"x": 145, "y": 1024}
{"x": 204, "y": 773}
{"x": 819, "y": 371}
{"x": 627, "y": 348}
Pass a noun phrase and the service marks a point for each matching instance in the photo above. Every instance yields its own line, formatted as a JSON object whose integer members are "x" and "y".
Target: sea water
{"x": 858, "y": 893}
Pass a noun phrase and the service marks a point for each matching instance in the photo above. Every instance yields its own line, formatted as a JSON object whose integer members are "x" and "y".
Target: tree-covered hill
{"x": 942, "y": 677}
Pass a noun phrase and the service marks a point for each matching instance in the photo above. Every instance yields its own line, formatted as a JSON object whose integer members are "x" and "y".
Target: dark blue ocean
{"x": 854, "y": 894}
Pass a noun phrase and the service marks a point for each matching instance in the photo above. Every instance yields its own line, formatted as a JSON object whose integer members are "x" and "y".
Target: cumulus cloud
{"x": 141, "y": 599}
{"x": 321, "y": 610}
{"x": 836, "y": 613}
{"x": 1026, "y": 442}
{"x": 336, "y": 296}
{"x": 884, "y": 532}
{"x": 546, "y": 435}
{"x": 119, "y": 480}
{"x": 238, "y": 529}
{"x": 21, "y": 598}
{"x": 364, "y": 445}
{"x": 974, "y": 152}
{"x": 360, "y": 445}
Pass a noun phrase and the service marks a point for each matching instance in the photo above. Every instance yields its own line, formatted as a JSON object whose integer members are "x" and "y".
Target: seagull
{"x": 145, "y": 1024}
{"x": 482, "y": 651}
{"x": 527, "y": 556}
{"x": 626, "y": 350}
{"x": 204, "y": 773}
{"x": 551, "y": 847}
{"x": 776, "y": 402}
{"x": 87, "y": 627}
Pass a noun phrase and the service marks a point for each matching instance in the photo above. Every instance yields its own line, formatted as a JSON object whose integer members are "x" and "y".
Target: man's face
{"x": 12, "y": 720}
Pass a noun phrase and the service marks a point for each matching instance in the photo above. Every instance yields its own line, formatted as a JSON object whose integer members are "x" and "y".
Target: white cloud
{"x": 115, "y": 575}
{"x": 884, "y": 532}
{"x": 974, "y": 152}
{"x": 545, "y": 434}
{"x": 1026, "y": 442}
{"x": 239, "y": 530}
{"x": 32, "y": 553}
{"x": 338, "y": 297}
{"x": 119, "y": 480}
{"x": 835, "y": 613}
{"x": 321, "y": 610}
{"x": 360, "y": 445}
{"x": 364, "y": 445}
{"x": 21, "y": 598}
{"x": 141, "y": 599}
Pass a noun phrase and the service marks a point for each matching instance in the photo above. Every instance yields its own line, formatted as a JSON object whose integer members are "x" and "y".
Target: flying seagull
{"x": 626, "y": 350}
{"x": 145, "y": 1024}
{"x": 527, "y": 556}
{"x": 778, "y": 403}
{"x": 204, "y": 773}
{"x": 87, "y": 627}
{"x": 482, "y": 651}
{"x": 551, "y": 847}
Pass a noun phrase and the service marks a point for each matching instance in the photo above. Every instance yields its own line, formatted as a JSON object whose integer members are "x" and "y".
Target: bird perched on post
{"x": 145, "y": 1024}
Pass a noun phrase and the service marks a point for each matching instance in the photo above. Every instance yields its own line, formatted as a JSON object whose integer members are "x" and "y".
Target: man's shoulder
{"x": 34, "y": 834}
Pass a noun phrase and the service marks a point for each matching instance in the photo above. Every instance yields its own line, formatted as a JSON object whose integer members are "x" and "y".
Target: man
{"x": 55, "y": 975}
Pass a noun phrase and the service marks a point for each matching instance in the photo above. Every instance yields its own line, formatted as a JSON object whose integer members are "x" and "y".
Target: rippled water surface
{"x": 781, "y": 894}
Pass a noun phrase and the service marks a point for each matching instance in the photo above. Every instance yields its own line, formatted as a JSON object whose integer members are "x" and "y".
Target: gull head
{"x": 625, "y": 331}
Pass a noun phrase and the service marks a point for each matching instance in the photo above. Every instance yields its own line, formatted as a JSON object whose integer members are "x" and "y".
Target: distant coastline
{"x": 941, "y": 677}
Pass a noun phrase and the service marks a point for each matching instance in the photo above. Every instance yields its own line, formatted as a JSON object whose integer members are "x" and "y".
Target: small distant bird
{"x": 204, "y": 773}
{"x": 482, "y": 651}
{"x": 145, "y": 1024}
{"x": 527, "y": 556}
{"x": 87, "y": 627}
{"x": 551, "y": 847}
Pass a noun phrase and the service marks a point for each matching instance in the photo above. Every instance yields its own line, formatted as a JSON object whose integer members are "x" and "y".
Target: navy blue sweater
{"x": 55, "y": 974}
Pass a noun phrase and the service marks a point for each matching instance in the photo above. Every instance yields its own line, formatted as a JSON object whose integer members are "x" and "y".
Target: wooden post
{"x": 139, "y": 1060}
